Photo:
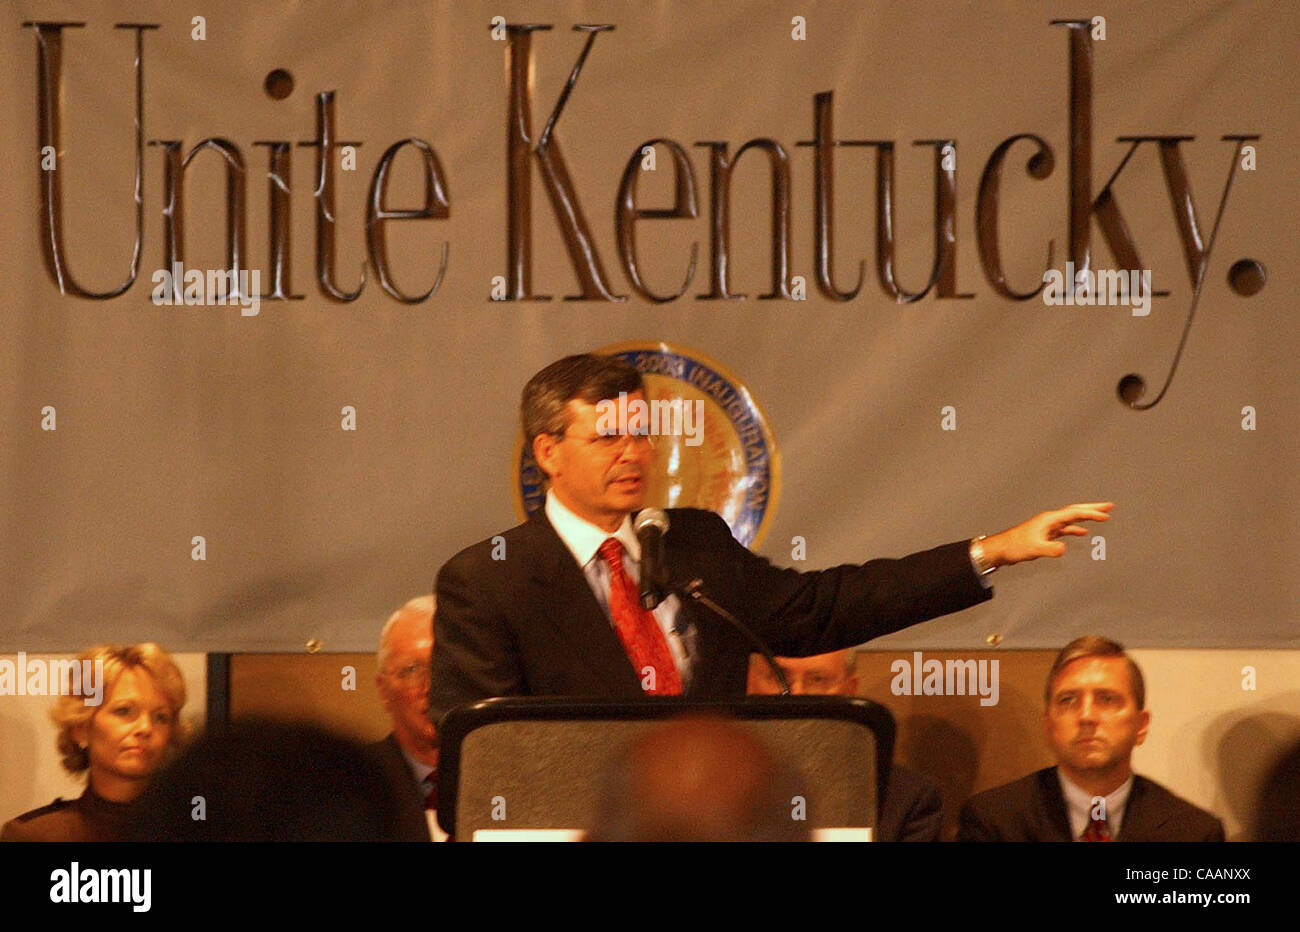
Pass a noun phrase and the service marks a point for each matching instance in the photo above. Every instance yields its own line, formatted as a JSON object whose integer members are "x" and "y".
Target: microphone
{"x": 650, "y": 526}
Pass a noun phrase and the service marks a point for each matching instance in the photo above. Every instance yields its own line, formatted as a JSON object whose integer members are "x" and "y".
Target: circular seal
{"x": 718, "y": 453}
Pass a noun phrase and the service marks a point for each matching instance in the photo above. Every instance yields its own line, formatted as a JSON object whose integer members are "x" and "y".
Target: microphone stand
{"x": 694, "y": 590}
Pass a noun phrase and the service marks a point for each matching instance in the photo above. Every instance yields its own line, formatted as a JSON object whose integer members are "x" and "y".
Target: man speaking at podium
{"x": 551, "y": 607}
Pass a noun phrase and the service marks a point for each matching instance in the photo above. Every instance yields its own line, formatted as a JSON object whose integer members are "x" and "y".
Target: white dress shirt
{"x": 584, "y": 539}
{"x": 1079, "y": 802}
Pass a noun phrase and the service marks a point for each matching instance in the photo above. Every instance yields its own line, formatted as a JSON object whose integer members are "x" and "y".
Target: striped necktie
{"x": 1097, "y": 830}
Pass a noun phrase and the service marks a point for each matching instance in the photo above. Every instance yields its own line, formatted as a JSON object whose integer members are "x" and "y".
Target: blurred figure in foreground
{"x": 119, "y": 743}
{"x": 272, "y": 781}
{"x": 1278, "y": 813}
{"x": 698, "y": 779}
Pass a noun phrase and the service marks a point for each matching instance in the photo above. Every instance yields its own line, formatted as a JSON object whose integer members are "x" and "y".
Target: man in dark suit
{"x": 550, "y": 607}
{"x": 409, "y": 754}
{"x": 1096, "y": 714}
{"x": 912, "y": 808}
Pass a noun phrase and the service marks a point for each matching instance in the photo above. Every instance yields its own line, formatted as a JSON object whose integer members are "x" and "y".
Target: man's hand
{"x": 1037, "y": 537}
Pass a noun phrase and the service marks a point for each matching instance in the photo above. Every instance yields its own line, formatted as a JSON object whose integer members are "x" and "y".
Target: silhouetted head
{"x": 269, "y": 781}
{"x": 698, "y": 779}
{"x": 1278, "y": 812}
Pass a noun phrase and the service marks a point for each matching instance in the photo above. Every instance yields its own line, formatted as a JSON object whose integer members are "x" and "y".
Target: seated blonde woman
{"x": 120, "y": 744}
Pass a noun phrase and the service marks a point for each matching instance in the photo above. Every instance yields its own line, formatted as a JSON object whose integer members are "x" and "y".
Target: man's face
{"x": 404, "y": 682}
{"x": 823, "y": 675}
{"x": 127, "y": 735}
{"x": 1092, "y": 720}
{"x": 599, "y": 477}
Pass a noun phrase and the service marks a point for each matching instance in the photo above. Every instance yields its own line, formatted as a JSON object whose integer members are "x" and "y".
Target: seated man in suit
{"x": 550, "y": 608}
{"x": 912, "y": 809}
{"x": 1096, "y": 714}
{"x": 410, "y": 752}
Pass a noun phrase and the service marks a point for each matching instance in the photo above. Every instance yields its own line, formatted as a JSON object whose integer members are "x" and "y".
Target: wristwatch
{"x": 978, "y": 557}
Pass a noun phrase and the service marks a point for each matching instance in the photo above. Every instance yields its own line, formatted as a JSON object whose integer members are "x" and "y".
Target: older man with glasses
{"x": 410, "y": 752}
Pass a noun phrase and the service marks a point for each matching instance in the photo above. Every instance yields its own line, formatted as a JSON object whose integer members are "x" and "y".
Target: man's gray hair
{"x": 420, "y": 605}
{"x": 543, "y": 406}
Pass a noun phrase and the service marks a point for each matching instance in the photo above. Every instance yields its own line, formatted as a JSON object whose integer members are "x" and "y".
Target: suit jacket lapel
{"x": 1056, "y": 815}
{"x": 1141, "y": 821}
{"x": 563, "y": 597}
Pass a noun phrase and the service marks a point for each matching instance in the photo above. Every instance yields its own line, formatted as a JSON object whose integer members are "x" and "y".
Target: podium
{"x": 534, "y": 767}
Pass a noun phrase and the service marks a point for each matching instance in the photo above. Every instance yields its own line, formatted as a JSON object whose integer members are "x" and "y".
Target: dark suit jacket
{"x": 1033, "y": 809}
{"x": 529, "y": 625}
{"x": 912, "y": 809}
{"x": 86, "y": 818}
{"x": 387, "y": 755}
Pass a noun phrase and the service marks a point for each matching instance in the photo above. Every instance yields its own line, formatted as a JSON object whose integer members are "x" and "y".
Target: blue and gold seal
{"x": 734, "y": 469}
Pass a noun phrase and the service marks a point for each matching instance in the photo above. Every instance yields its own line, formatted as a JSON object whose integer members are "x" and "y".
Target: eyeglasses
{"x": 414, "y": 674}
{"x": 612, "y": 441}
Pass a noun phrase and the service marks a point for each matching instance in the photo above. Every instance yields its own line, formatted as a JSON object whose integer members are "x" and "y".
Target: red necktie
{"x": 1097, "y": 830}
{"x": 642, "y": 638}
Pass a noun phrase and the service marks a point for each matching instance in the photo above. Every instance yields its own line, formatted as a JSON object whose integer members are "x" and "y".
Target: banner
{"x": 277, "y": 273}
